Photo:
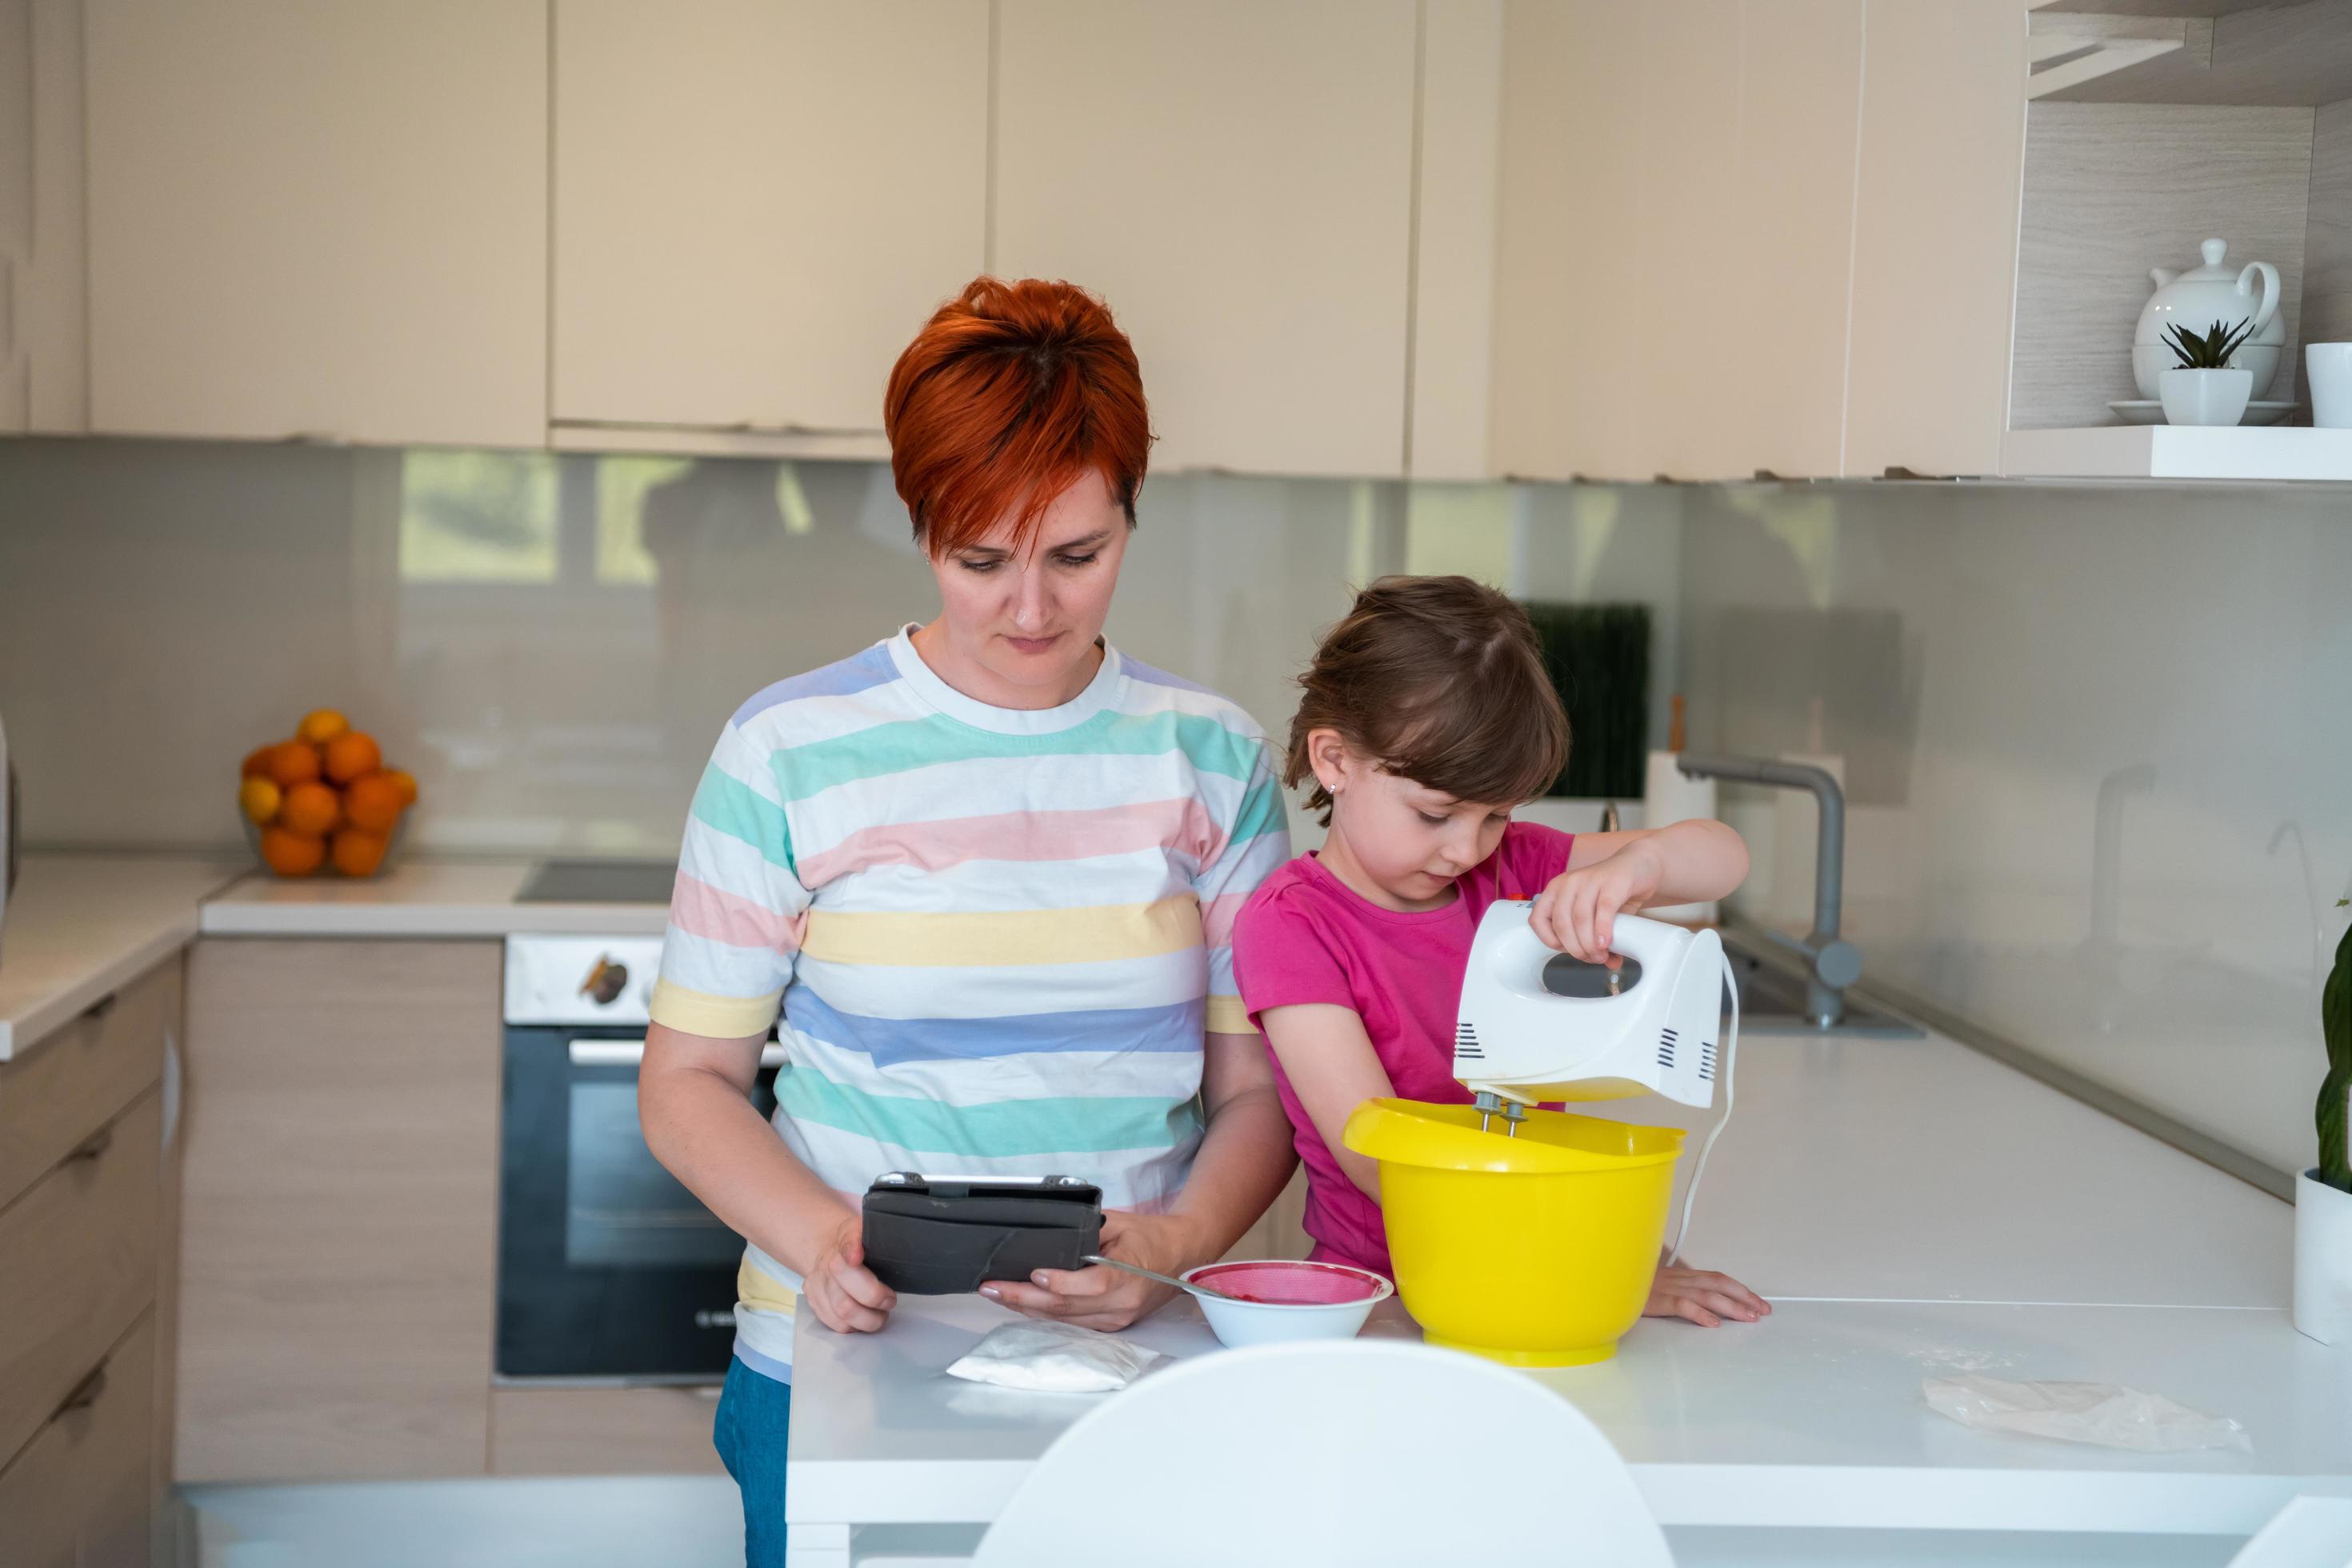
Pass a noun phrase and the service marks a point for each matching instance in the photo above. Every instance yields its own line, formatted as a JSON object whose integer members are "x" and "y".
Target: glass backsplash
{"x": 551, "y": 643}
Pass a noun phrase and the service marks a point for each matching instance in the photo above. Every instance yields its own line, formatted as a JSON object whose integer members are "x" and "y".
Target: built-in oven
{"x": 609, "y": 1270}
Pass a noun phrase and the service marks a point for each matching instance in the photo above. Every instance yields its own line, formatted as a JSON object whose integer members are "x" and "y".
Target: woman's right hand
{"x": 840, "y": 1289}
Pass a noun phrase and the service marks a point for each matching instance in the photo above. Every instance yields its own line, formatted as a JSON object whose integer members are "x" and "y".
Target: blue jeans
{"x": 755, "y": 1414}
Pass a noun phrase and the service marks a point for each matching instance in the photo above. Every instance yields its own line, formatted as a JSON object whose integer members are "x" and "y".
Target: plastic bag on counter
{"x": 2103, "y": 1413}
{"x": 1054, "y": 1358}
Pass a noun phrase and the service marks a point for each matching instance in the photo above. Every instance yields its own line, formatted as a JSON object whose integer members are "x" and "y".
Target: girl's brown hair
{"x": 1439, "y": 679}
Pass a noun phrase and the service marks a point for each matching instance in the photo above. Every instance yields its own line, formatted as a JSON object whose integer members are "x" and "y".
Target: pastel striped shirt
{"x": 996, "y": 936}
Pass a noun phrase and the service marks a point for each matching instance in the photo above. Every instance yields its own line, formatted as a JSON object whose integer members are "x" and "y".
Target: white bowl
{"x": 1238, "y": 1323}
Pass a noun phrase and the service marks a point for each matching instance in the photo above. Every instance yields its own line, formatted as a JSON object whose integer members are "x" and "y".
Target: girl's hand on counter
{"x": 841, "y": 1290}
{"x": 1704, "y": 1297}
{"x": 1099, "y": 1297}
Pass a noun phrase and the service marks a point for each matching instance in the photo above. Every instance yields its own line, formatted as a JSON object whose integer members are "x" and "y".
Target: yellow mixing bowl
{"x": 1534, "y": 1250}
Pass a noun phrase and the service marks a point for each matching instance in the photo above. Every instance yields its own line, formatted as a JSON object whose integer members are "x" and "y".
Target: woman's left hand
{"x": 1578, "y": 912}
{"x": 1099, "y": 1297}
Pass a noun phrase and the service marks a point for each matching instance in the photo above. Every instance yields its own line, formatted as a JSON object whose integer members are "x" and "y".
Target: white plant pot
{"x": 2205, "y": 397}
{"x": 2322, "y": 1259}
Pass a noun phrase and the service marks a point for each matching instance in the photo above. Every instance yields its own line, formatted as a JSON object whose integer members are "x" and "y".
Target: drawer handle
{"x": 85, "y": 1393}
{"x": 102, "y": 1006}
{"x": 97, "y": 1144}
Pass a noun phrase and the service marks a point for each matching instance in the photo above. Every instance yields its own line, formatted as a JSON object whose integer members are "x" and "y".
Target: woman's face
{"x": 1017, "y": 629}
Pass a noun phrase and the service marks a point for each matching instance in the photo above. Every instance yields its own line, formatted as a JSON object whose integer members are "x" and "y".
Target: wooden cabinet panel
{"x": 758, "y": 202}
{"x": 78, "y": 1494}
{"x": 43, "y": 352}
{"x": 1235, "y": 179}
{"x": 602, "y": 1432}
{"x": 71, "y": 1084}
{"x": 319, "y": 219}
{"x": 1784, "y": 356}
{"x": 1685, "y": 425}
{"x": 1935, "y": 244}
{"x": 339, "y": 1210}
{"x": 77, "y": 1267}
{"x": 1453, "y": 241}
{"x": 1567, "y": 265}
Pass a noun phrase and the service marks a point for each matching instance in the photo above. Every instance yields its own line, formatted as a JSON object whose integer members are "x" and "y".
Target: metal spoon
{"x": 1163, "y": 1278}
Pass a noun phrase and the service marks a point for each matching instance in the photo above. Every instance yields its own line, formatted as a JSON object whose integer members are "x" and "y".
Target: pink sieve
{"x": 1279, "y": 1284}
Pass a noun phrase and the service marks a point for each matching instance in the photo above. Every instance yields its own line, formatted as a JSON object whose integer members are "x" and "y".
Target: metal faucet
{"x": 1835, "y": 963}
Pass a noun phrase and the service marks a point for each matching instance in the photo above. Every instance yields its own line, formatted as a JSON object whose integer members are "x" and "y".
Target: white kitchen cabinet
{"x": 1935, "y": 241}
{"x": 758, "y": 203}
{"x": 1685, "y": 150}
{"x": 1235, "y": 178}
{"x": 1567, "y": 265}
{"x": 1782, "y": 365}
{"x": 324, "y": 220}
{"x": 43, "y": 357}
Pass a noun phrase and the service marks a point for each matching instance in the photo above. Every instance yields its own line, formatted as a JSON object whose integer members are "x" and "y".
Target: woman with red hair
{"x": 986, "y": 871}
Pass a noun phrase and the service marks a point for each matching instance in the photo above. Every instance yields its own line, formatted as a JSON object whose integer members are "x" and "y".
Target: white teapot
{"x": 2198, "y": 298}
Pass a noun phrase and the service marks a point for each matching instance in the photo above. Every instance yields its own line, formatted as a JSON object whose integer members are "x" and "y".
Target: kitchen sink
{"x": 1772, "y": 997}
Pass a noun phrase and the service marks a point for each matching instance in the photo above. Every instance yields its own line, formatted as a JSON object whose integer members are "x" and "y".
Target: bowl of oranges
{"x": 324, "y": 800}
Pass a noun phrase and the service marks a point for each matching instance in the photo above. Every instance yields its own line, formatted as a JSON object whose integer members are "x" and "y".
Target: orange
{"x": 291, "y": 854}
{"x": 372, "y": 802}
{"x": 257, "y": 762}
{"x": 292, "y": 763}
{"x": 259, "y": 798}
{"x": 403, "y": 782}
{"x": 358, "y": 852}
{"x": 321, "y": 725}
{"x": 349, "y": 756}
{"x": 311, "y": 809}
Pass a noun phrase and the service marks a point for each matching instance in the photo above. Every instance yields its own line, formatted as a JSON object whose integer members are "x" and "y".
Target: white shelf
{"x": 2241, "y": 453}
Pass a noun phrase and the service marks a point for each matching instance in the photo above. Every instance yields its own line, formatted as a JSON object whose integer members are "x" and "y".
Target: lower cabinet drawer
{"x": 79, "y": 1494}
{"x": 82, "y": 1075}
{"x": 77, "y": 1265}
{"x": 603, "y": 1431}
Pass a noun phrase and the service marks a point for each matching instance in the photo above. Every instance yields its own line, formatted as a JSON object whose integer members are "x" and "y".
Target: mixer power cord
{"x": 1706, "y": 1144}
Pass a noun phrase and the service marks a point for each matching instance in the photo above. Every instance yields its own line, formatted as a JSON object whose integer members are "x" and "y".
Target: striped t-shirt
{"x": 1018, "y": 926}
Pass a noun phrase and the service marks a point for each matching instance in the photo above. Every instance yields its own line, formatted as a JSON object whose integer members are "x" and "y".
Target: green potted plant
{"x": 2323, "y": 1194}
{"x": 2204, "y": 388}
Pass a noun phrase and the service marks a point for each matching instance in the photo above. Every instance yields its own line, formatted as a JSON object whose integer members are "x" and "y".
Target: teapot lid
{"x": 2212, "y": 251}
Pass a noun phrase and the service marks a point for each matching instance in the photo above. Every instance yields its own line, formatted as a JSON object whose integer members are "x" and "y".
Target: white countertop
{"x": 417, "y": 897}
{"x": 81, "y": 926}
{"x": 1913, "y": 1210}
{"x": 1811, "y": 1418}
{"x": 1919, "y": 1170}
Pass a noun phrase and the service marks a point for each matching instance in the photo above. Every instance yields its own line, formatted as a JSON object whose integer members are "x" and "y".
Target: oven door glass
{"x": 608, "y": 1268}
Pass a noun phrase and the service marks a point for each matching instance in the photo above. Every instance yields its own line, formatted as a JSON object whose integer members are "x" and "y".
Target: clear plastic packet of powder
{"x": 2106, "y": 1413}
{"x": 1054, "y": 1358}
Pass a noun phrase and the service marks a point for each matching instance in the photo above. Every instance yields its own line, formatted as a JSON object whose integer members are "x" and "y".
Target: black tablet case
{"x": 939, "y": 1237}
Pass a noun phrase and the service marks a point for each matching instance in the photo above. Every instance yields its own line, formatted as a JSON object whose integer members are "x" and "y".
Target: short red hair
{"x": 1009, "y": 392}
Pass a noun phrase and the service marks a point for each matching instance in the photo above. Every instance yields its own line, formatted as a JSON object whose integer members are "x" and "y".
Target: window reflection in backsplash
{"x": 550, "y": 643}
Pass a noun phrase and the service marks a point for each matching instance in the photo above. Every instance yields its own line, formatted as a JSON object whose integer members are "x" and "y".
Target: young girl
{"x": 1428, "y": 717}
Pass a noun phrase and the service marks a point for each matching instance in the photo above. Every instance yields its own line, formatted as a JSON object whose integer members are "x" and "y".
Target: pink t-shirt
{"x": 1306, "y": 936}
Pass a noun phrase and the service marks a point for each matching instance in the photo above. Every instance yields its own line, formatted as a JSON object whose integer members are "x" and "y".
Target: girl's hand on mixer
{"x": 1578, "y": 912}
{"x": 1705, "y": 1298}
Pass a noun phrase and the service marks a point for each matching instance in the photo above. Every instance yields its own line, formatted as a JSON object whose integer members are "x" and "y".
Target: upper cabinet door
{"x": 1235, "y": 178}
{"x": 1935, "y": 244}
{"x": 1685, "y": 154}
{"x": 1567, "y": 264}
{"x": 319, "y": 219}
{"x": 1789, "y": 267}
{"x": 758, "y": 203}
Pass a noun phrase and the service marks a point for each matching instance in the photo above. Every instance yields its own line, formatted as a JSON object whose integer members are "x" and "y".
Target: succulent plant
{"x": 2336, "y": 1024}
{"x": 2209, "y": 350}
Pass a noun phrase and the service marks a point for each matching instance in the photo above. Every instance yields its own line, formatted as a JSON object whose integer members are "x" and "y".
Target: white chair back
{"x": 1349, "y": 1453}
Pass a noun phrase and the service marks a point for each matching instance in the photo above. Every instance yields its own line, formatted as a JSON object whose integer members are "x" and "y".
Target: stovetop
{"x": 599, "y": 882}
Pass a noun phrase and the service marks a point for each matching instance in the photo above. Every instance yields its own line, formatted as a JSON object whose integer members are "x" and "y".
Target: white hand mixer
{"x": 1536, "y": 1024}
